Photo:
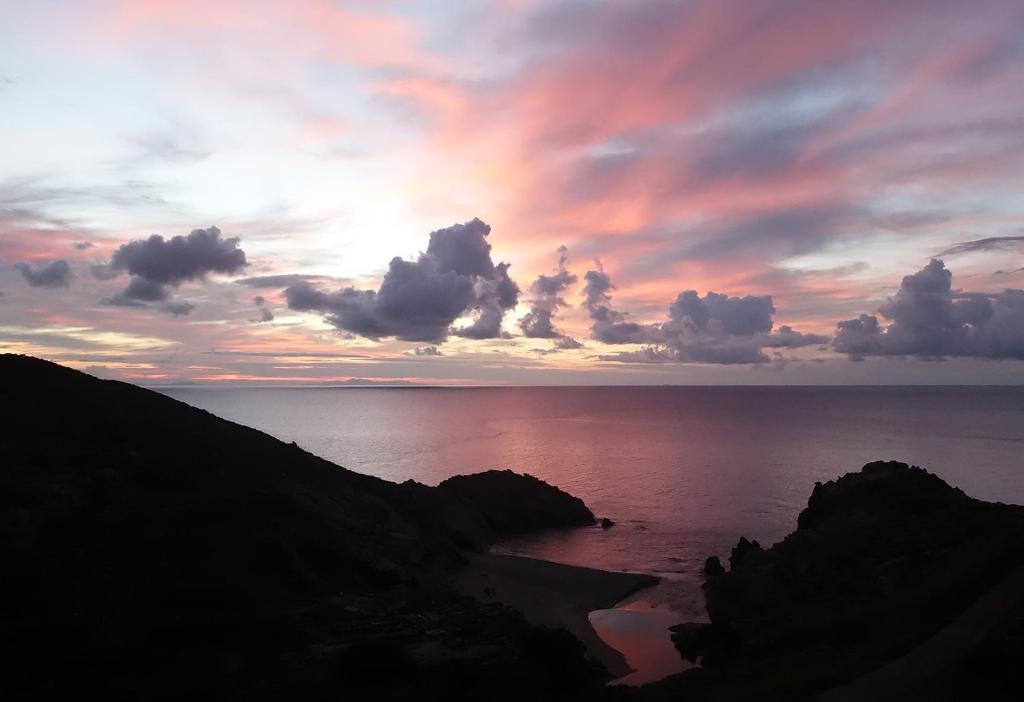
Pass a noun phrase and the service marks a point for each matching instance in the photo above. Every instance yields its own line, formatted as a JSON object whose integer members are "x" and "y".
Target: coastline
{"x": 553, "y": 595}
{"x": 894, "y": 583}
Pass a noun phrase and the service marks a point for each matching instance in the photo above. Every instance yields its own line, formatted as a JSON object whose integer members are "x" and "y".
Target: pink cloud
{"x": 608, "y": 135}
{"x": 303, "y": 27}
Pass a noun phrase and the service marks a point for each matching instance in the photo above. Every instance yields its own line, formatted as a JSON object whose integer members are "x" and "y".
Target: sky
{"x": 515, "y": 191}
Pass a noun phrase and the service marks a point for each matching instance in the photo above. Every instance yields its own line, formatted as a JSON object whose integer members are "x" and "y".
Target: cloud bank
{"x": 421, "y": 300}
{"x": 715, "y": 328}
{"x": 929, "y": 319}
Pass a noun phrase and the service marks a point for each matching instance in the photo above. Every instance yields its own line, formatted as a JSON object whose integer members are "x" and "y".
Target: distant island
{"x": 351, "y": 382}
{"x": 366, "y": 382}
{"x": 154, "y": 551}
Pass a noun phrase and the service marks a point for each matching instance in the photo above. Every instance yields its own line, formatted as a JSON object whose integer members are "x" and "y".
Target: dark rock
{"x": 706, "y": 642}
{"x": 744, "y": 550}
{"x": 713, "y": 567}
{"x": 687, "y": 638}
{"x": 880, "y": 560}
{"x": 606, "y": 523}
{"x": 887, "y": 490}
{"x": 511, "y": 503}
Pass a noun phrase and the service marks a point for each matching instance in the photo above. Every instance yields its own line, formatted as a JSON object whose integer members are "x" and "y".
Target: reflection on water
{"x": 640, "y": 632}
{"x": 684, "y": 472}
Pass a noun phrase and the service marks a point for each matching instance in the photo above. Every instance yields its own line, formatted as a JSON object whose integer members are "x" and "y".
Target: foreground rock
{"x": 152, "y": 550}
{"x": 881, "y": 560}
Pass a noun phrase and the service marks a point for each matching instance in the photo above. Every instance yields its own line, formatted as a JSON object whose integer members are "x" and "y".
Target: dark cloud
{"x": 928, "y": 319}
{"x": 547, "y": 291}
{"x": 180, "y": 258}
{"x": 142, "y": 290}
{"x": 420, "y": 300}
{"x": 716, "y": 328}
{"x": 83, "y": 245}
{"x": 719, "y": 328}
{"x": 143, "y": 293}
{"x": 494, "y": 297}
{"x": 416, "y": 302}
{"x": 993, "y": 243}
{"x": 55, "y": 274}
{"x": 157, "y": 263}
{"x": 733, "y": 316}
{"x": 463, "y": 249}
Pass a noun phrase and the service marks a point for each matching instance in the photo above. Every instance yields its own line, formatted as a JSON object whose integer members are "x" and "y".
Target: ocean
{"x": 683, "y": 471}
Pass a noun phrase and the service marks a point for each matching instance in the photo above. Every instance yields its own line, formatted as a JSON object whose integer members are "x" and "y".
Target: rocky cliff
{"x": 880, "y": 560}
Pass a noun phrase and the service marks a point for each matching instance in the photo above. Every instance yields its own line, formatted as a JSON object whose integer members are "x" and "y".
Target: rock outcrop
{"x": 513, "y": 504}
{"x": 880, "y": 560}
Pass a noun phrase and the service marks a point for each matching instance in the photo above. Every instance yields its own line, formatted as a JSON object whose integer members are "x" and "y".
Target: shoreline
{"x": 554, "y": 595}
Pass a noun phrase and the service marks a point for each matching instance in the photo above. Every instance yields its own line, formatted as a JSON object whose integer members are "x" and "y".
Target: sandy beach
{"x": 553, "y": 594}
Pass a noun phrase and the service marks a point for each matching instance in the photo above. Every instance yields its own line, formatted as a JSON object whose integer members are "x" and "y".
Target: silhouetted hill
{"x": 881, "y": 560}
{"x": 151, "y": 549}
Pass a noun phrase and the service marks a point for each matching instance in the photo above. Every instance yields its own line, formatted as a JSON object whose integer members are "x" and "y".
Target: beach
{"x": 553, "y": 594}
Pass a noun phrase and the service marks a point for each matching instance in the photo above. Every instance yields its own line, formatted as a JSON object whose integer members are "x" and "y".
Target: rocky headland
{"x": 881, "y": 561}
{"x": 152, "y": 550}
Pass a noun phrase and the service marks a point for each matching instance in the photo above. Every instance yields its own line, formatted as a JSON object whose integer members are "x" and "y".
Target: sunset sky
{"x": 800, "y": 191}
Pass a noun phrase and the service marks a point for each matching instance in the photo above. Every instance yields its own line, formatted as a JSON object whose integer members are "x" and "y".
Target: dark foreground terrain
{"x": 153, "y": 551}
{"x": 894, "y": 586}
